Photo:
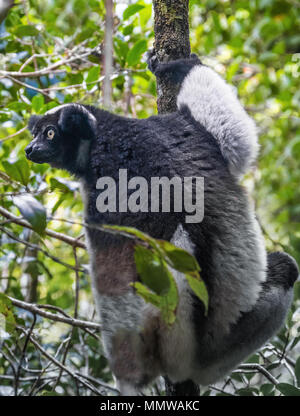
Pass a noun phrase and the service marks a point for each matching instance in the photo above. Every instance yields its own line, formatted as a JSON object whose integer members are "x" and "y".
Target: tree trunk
{"x": 171, "y": 27}
{"x": 108, "y": 53}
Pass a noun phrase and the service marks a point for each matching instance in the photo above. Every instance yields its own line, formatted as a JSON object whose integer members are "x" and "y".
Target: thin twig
{"x": 25, "y": 379}
{"x": 100, "y": 383}
{"x": 260, "y": 369}
{"x": 45, "y": 71}
{"x": 64, "y": 368}
{"x": 108, "y": 53}
{"x": 23, "y": 84}
{"x": 38, "y": 248}
{"x": 68, "y": 346}
{"x": 59, "y": 236}
{"x": 45, "y": 369}
{"x": 14, "y": 134}
{"x": 23, "y": 353}
{"x": 33, "y": 57}
{"x": 58, "y": 364}
{"x": 54, "y": 317}
{"x": 10, "y": 361}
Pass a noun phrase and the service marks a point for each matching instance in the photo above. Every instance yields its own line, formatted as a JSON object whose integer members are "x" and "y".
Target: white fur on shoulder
{"x": 213, "y": 103}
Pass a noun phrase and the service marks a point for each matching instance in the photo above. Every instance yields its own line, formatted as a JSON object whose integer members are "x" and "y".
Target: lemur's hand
{"x": 152, "y": 60}
{"x": 159, "y": 68}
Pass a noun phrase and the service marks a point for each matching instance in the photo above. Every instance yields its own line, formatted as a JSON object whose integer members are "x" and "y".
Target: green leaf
{"x": 55, "y": 184}
{"x": 18, "y": 171}
{"x": 216, "y": 20}
{"x": 152, "y": 270}
{"x": 199, "y": 288}
{"x": 288, "y": 389}
{"x": 166, "y": 252}
{"x": 247, "y": 391}
{"x": 18, "y": 106}
{"x": 6, "y": 311}
{"x": 179, "y": 259}
{"x": 121, "y": 48}
{"x": 58, "y": 203}
{"x": 25, "y": 30}
{"x": 93, "y": 75}
{"x": 169, "y": 303}
{"x": 133, "y": 231}
{"x": 49, "y": 393}
{"x": 267, "y": 389}
{"x": 232, "y": 70}
{"x": 33, "y": 211}
{"x": 146, "y": 294}
{"x": 127, "y": 30}
{"x": 134, "y": 54}
{"x": 37, "y": 102}
{"x": 131, "y": 10}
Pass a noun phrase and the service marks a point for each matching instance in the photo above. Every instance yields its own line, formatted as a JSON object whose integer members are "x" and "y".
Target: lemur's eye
{"x": 50, "y": 134}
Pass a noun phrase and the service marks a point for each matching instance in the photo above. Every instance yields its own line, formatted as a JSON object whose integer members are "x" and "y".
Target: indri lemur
{"x": 210, "y": 136}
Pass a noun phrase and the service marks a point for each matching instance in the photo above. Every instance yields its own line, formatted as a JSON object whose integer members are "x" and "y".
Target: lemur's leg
{"x": 256, "y": 327}
{"x": 128, "y": 341}
{"x": 214, "y": 104}
{"x": 268, "y": 315}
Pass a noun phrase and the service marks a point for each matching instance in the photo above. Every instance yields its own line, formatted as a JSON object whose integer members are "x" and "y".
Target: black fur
{"x": 76, "y": 124}
{"x": 175, "y": 71}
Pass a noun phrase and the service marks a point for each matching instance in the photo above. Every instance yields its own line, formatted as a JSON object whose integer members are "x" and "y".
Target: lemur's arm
{"x": 213, "y": 104}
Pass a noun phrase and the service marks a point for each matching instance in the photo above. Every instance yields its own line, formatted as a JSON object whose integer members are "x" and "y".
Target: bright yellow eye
{"x": 50, "y": 134}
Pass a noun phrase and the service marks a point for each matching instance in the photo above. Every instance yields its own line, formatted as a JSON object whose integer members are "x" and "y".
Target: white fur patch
{"x": 177, "y": 344}
{"x": 125, "y": 388}
{"x": 213, "y": 104}
{"x": 240, "y": 264}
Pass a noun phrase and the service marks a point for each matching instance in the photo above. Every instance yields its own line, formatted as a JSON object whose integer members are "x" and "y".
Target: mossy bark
{"x": 171, "y": 27}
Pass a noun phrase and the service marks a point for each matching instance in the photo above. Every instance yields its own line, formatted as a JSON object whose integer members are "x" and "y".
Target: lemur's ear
{"x": 77, "y": 121}
{"x": 32, "y": 122}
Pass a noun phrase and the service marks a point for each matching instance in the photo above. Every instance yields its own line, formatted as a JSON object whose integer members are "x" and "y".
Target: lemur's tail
{"x": 215, "y": 105}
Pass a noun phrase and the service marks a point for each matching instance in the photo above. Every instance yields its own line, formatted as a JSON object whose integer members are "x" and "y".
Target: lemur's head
{"x": 62, "y": 137}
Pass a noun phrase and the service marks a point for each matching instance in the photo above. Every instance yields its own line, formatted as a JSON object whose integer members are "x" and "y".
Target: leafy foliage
{"x": 152, "y": 265}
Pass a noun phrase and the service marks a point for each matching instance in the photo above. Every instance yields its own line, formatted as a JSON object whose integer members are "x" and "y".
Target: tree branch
{"x": 58, "y": 364}
{"x": 171, "y": 27}
{"x": 38, "y": 248}
{"x": 36, "y": 309}
{"x": 51, "y": 69}
{"x": 108, "y": 53}
{"x": 260, "y": 369}
{"x": 59, "y": 236}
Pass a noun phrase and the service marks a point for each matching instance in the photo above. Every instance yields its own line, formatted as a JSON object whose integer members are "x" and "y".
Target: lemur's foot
{"x": 152, "y": 60}
{"x": 157, "y": 67}
{"x": 194, "y": 57}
